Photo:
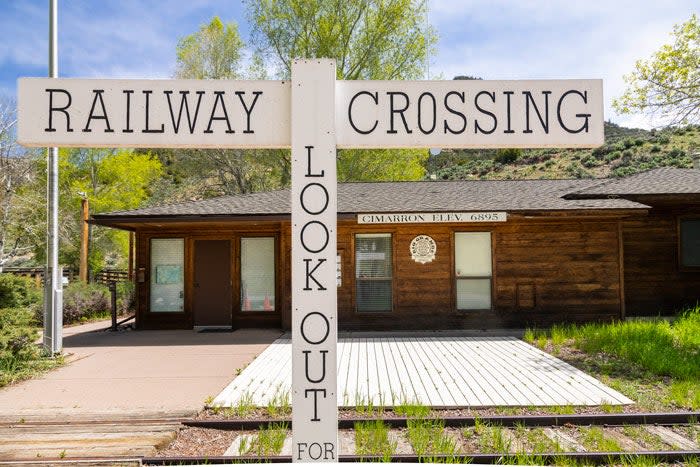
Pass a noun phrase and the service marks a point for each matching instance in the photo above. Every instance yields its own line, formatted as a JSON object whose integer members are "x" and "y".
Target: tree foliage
{"x": 213, "y": 52}
{"x": 668, "y": 84}
{"x": 111, "y": 180}
{"x": 369, "y": 39}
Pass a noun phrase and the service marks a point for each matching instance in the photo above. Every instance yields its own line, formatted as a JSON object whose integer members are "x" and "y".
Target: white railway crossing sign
{"x": 313, "y": 114}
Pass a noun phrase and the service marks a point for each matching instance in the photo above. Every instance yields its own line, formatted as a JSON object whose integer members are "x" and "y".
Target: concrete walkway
{"x": 134, "y": 374}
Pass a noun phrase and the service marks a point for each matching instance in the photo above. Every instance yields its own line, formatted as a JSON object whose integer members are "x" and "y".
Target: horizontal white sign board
{"x": 430, "y": 217}
{"x": 153, "y": 113}
{"x": 469, "y": 114}
{"x": 368, "y": 114}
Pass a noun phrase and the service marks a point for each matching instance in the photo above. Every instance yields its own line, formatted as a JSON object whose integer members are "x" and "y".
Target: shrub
{"x": 17, "y": 291}
{"x": 612, "y": 156}
{"x": 82, "y": 301}
{"x": 508, "y": 155}
{"x": 126, "y": 298}
{"x": 600, "y": 151}
{"x": 655, "y": 148}
{"x": 589, "y": 162}
{"x": 16, "y": 335}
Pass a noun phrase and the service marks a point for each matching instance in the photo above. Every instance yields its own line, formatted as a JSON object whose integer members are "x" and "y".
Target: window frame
{"x": 238, "y": 293}
{"x": 185, "y": 276}
{"x": 455, "y": 278}
{"x": 392, "y": 236}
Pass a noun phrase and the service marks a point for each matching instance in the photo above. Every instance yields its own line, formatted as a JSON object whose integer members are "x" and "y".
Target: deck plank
{"x": 437, "y": 370}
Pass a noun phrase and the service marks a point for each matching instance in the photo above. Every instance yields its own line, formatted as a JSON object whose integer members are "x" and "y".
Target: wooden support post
{"x": 84, "y": 235}
{"x": 130, "y": 266}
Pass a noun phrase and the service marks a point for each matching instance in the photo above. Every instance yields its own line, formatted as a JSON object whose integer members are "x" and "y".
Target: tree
{"x": 213, "y": 52}
{"x": 15, "y": 171}
{"x": 112, "y": 180}
{"x": 369, "y": 39}
{"x": 668, "y": 84}
{"x": 216, "y": 51}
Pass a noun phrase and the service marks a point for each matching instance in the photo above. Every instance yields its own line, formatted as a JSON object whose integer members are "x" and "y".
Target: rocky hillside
{"x": 626, "y": 151}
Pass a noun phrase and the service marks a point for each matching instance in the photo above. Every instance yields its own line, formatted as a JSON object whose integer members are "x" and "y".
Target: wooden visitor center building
{"x": 431, "y": 254}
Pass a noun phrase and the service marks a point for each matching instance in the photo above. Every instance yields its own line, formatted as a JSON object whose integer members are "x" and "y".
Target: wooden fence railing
{"x": 103, "y": 277}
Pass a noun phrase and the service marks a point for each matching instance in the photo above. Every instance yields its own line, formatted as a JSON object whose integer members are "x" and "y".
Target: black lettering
{"x": 325, "y": 242}
{"x": 323, "y": 365}
{"x": 219, "y": 98}
{"x": 63, "y": 109}
{"x": 303, "y": 205}
{"x": 393, "y": 110}
{"x": 147, "y": 129}
{"x": 420, "y": 108}
{"x": 315, "y": 393}
{"x": 128, "y": 93}
{"x": 508, "y": 94}
{"x": 308, "y": 166}
{"x": 300, "y": 450}
{"x": 310, "y": 274}
{"x": 328, "y": 448}
{"x": 545, "y": 121}
{"x": 191, "y": 122}
{"x": 477, "y": 127}
{"x": 374, "y": 97}
{"x": 584, "y": 97}
{"x": 303, "y": 326}
{"x": 92, "y": 116}
{"x": 455, "y": 112}
{"x": 248, "y": 111}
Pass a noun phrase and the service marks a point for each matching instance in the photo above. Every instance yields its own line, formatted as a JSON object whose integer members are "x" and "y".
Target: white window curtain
{"x": 373, "y": 272}
{"x": 258, "y": 274}
{"x": 167, "y": 275}
{"x": 473, "y": 270}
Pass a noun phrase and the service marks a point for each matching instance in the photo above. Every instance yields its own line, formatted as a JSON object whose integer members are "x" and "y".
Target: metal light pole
{"x": 53, "y": 276}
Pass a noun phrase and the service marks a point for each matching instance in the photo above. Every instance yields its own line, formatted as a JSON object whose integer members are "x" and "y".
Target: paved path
{"x": 145, "y": 374}
{"x": 441, "y": 371}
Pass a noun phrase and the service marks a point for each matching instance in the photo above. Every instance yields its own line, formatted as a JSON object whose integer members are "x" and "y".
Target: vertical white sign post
{"x": 314, "y": 238}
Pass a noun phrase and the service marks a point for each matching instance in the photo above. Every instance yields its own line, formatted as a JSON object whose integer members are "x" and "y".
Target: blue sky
{"x": 494, "y": 39}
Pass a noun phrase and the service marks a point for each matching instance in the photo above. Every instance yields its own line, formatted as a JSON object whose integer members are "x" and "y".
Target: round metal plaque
{"x": 423, "y": 249}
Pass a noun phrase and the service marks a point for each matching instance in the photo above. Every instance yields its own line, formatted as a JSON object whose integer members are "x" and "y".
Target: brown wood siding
{"x": 654, "y": 282}
{"x": 545, "y": 270}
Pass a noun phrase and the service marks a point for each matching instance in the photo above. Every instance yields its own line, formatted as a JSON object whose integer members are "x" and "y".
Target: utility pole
{"x": 53, "y": 276}
{"x": 84, "y": 239}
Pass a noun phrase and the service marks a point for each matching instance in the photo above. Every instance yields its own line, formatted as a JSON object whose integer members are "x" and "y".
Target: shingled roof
{"x": 662, "y": 181}
{"x": 387, "y": 197}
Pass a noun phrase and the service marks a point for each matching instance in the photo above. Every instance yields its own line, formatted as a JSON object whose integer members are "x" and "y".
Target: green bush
{"x": 17, "y": 291}
{"x": 16, "y": 336}
{"x": 126, "y": 298}
{"x": 508, "y": 155}
{"x": 83, "y": 301}
{"x": 655, "y": 148}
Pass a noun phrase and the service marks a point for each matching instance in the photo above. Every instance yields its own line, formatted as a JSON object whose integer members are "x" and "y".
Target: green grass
{"x": 268, "y": 441}
{"x": 429, "y": 437}
{"x": 372, "y": 439}
{"x": 633, "y": 355}
{"x": 279, "y": 405}
{"x": 412, "y": 410}
{"x": 594, "y": 439}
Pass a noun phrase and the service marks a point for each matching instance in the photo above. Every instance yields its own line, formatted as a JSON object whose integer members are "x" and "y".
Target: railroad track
{"x": 600, "y": 439}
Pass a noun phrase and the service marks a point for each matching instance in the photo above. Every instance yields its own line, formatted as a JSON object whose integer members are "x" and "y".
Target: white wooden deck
{"x": 438, "y": 371}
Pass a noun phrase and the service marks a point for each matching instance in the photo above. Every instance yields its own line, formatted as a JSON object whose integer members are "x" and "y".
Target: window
{"x": 473, "y": 270}
{"x": 373, "y": 267}
{"x": 690, "y": 243}
{"x": 258, "y": 274}
{"x": 167, "y": 278}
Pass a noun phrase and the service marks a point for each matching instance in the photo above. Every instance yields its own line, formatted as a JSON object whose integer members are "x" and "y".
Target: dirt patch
{"x": 200, "y": 442}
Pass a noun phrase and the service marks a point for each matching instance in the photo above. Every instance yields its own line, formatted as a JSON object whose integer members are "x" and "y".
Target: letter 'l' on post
{"x": 314, "y": 238}
{"x": 53, "y": 286}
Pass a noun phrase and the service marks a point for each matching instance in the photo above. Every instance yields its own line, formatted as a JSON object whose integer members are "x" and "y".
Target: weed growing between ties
{"x": 372, "y": 439}
{"x": 268, "y": 441}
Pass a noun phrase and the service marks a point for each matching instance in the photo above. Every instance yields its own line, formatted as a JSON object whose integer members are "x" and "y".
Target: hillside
{"x": 626, "y": 151}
